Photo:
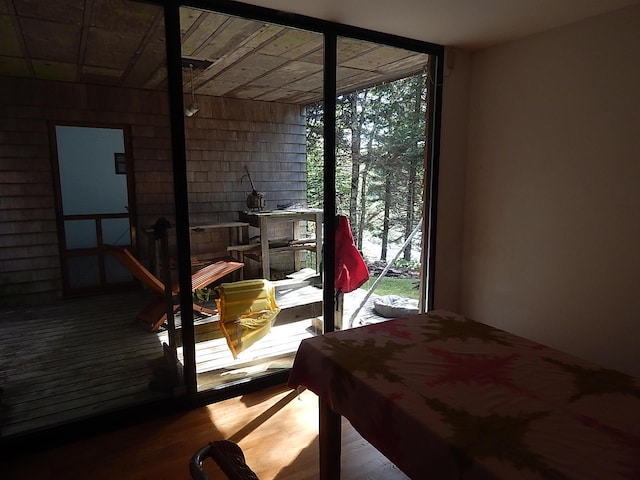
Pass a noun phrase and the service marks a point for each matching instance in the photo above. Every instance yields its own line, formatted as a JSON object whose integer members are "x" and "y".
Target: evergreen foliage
{"x": 380, "y": 142}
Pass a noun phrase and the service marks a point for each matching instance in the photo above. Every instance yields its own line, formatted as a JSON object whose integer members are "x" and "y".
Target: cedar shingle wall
{"x": 225, "y": 136}
{"x": 222, "y": 138}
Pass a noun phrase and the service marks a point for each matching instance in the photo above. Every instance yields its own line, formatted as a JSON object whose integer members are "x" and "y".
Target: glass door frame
{"x": 330, "y": 31}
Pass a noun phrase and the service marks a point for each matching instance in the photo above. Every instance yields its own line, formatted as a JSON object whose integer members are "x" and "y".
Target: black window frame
{"x": 331, "y": 31}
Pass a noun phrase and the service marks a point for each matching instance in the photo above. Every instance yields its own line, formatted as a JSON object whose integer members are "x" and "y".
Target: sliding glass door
{"x": 289, "y": 129}
{"x": 381, "y": 105}
{"x": 246, "y": 87}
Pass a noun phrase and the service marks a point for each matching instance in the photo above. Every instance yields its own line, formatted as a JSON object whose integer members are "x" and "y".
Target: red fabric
{"x": 351, "y": 271}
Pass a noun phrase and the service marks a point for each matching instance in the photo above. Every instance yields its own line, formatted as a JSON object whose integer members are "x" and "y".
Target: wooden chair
{"x": 155, "y": 313}
{"x": 227, "y": 455}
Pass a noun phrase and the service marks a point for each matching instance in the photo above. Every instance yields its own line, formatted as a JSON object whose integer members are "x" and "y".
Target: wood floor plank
{"x": 276, "y": 429}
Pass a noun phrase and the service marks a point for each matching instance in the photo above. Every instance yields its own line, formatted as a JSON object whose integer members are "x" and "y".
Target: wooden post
{"x": 168, "y": 291}
{"x": 170, "y": 354}
{"x": 338, "y": 310}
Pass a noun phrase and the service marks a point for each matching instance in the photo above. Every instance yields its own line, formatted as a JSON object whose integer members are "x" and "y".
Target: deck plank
{"x": 85, "y": 356}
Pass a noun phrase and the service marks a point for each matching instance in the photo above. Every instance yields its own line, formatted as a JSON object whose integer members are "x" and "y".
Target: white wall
{"x": 552, "y": 201}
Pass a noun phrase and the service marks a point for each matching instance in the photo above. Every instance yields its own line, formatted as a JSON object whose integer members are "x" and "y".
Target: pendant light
{"x": 192, "y": 109}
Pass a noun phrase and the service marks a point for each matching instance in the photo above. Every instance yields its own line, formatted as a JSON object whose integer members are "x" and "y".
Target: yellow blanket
{"x": 246, "y": 310}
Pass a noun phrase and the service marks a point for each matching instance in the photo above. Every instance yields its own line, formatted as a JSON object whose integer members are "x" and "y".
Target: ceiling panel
{"x": 59, "y": 11}
{"x": 51, "y": 41}
{"x": 9, "y": 44}
{"x": 121, "y": 42}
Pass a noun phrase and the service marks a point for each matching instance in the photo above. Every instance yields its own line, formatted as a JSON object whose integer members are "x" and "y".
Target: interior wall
{"x": 552, "y": 211}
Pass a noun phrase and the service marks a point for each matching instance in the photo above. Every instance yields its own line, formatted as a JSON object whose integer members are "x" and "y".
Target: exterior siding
{"x": 223, "y": 137}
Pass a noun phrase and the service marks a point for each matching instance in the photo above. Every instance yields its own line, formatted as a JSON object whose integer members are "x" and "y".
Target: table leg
{"x": 330, "y": 440}
{"x": 295, "y": 235}
{"x": 264, "y": 244}
{"x": 236, "y": 239}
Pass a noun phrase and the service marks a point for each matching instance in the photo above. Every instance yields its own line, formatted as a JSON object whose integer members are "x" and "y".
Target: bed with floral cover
{"x": 445, "y": 397}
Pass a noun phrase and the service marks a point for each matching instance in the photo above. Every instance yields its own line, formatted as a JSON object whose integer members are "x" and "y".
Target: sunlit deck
{"x": 85, "y": 356}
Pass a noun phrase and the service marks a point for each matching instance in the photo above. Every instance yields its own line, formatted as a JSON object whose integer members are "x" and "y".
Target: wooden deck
{"x": 82, "y": 357}
{"x": 72, "y": 360}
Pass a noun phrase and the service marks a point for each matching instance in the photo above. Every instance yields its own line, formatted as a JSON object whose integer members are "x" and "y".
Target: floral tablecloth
{"x": 445, "y": 397}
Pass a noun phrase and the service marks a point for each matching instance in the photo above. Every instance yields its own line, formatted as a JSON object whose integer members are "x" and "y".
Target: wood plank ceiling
{"x": 121, "y": 42}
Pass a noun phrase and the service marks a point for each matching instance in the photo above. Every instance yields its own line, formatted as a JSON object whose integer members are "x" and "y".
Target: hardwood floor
{"x": 276, "y": 428}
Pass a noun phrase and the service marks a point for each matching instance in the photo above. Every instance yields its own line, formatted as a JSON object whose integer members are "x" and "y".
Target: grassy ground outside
{"x": 404, "y": 287}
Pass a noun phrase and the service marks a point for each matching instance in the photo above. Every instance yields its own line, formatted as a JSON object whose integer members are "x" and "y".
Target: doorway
{"x": 93, "y": 179}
